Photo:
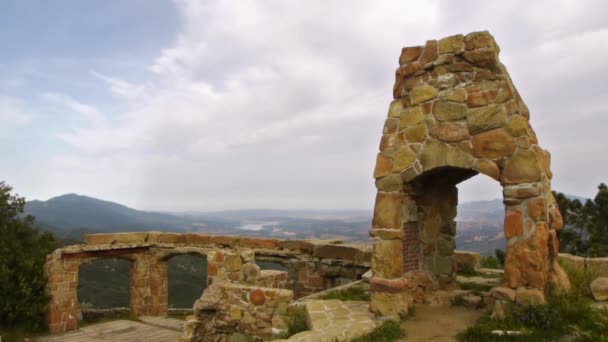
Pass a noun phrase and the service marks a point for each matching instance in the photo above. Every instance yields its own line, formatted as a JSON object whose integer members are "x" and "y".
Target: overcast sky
{"x": 206, "y": 105}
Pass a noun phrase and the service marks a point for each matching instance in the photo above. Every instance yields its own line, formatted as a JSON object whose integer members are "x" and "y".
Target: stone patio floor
{"x": 150, "y": 329}
{"x": 332, "y": 320}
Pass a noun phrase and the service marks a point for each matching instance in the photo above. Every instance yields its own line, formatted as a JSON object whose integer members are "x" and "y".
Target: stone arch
{"x": 180, "y": 293}
{"x": 93, "y": 260}
{"x": 455, "y": 114}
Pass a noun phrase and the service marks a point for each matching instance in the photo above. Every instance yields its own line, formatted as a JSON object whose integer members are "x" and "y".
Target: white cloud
{"x": 13, "y": 113}
{"x": 281, "y": 104}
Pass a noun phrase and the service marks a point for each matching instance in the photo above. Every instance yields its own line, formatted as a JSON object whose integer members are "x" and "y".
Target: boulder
{"x": 599, "y": 288}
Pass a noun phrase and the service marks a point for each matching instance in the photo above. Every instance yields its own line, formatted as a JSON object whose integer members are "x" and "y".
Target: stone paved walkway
{"x": 151, "y": 329}
{"x": 333, "y": 320}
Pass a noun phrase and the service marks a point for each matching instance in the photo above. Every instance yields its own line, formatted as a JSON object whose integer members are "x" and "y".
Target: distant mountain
{"x": 69, "y": 217}
{"x": 74, "y": 215}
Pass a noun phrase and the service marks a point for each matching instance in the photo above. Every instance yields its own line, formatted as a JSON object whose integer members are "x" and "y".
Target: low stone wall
{"x": 597, "y": 266}
{"x": 238, "y": 302}
{"x": 317, "y": 265}
{"x": 466, "y": 260}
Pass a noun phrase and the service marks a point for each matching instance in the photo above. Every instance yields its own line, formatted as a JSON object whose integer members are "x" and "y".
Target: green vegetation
{"x": 585, "y": 225}
{"x": 474, "y": 286}
{"x": 580, "y": 280}
{"x": 496, "y": 261}
{"x": 297, "y": 320}
{"x": 564, "y": 315}
{"x": 389, "y": 331}
{"x": 23, "y": 251}
{"x": 357, "y": 292}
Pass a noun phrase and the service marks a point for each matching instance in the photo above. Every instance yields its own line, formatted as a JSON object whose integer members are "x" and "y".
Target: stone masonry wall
{"x": 318, "y": 263}
{"x": 456, "y": 113}
{"x": 238, "y": 301}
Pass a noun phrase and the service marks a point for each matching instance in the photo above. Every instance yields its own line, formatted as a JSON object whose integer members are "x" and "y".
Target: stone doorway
{"x": 455, "y": 114}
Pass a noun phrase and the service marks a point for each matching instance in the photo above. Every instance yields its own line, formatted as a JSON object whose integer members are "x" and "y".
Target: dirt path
{"x": 439, "y": 324}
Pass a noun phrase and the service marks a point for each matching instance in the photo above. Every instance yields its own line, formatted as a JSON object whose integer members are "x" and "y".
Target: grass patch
{"x": 580, "y": 280}
{"x": 356, "y": 292}
{"x": 297, "y": 320}
{"x": 565, "y": 315}
{"x": 474, "y": 286}
{"x": 389, "y": 331}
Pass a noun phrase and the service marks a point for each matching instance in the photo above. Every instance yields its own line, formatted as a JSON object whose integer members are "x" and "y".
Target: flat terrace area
{"x": 149, "y": 329}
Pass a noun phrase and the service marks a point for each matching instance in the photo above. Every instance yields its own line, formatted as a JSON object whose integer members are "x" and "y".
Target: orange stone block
{"x": 387, "y": 211}
{"x": 513, "y": 224}
{"x": 537, "y": 209}
{"x": 493, "y": 144}
{"x": 257, "y": 297}
{"x": 384, "y": 166}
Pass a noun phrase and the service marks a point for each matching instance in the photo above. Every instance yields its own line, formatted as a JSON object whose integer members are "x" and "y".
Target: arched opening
{"x": 480, "y": 219}
{"x": 104, "y": 289}
{"x": 187, "y": 279}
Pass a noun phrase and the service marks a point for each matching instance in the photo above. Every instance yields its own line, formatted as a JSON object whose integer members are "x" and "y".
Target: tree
{"x": 598, "y": 222}
{"x": 23, "y": 250}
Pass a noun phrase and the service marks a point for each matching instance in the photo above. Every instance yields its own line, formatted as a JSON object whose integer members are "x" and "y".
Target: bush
{"x": 389, "y": 331}
{"x": 357, "y": 292}
{"x": 490, "y": 261}
{"x": 23, "y": 251}
{"x": 563, "y": 315}
{"x": 298, "y": 321}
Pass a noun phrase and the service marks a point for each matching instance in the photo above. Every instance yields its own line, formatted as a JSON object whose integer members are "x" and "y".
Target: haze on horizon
{"x": 193, "y": 105}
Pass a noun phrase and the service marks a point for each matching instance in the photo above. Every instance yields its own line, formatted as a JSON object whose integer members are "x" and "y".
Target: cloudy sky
{"x": 205, "y": 105}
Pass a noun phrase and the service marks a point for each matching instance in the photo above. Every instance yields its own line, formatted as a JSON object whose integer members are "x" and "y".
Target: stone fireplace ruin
{"x": 455, "y": 114}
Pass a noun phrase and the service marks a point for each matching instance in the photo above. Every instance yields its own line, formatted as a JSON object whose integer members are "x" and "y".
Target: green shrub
{"x": 580, "y": 280}
{"x": 357, "y": 292}
{"x": 297, "y": 320}
{"x": 23, "y": 251}
{"x": 490, "y": 261}
{"x": 389, "y": 331}
{"x": 564, "y": 315}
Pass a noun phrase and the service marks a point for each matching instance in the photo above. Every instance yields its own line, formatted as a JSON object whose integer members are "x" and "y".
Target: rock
{"x": 517, "y": 125}
{"x": 387, "y": 261}
{"x": 409, "y": 54}
{"x": 457, "y": 95}
{"x": 257, "y": 297}
{"x": 384, "y": 166}
{"x": 411, "y": 116}
{"x": 416, "y": 133}
{"x": 488, "y": 168}
{"x": 472, "y": 301}
{"x": 450, "y": 132}
{"x": 479, "y": 40}
{"x": 559, "y": 278}
{"x": 480, "y": 98}
{"x": 529, "y": 296}
{"x": 390, "y": 304}
{"x": 395, "y": 108}
{"x": 446, "y": 246}
{"x": 429, "y": 54}
{"x": 422, "y": 93}
{"x": 233, "y": 263}
{"x": 451, "y": 44}
{"x": 235, "y": 313}
{"x": 449, "y": 111}
{"x": 503, "y": 293}
{"x": 387, "y": 211}
{"x": 466, "y": 260}
{"x": 522, "y": 191}
{"x": 599, "y": 288}
{"x": 513, "y": 224}
{"x": 523, "y": 167}
{"x": 537, "y": 209}
{"x": 403, "y": 158}
{"x": 486, "y": 118}
{"x": 392, "y": 182}
{"x": 387, "y": 234}
{"x": 493, "y": 144}
{"x": 367, "y": 276}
